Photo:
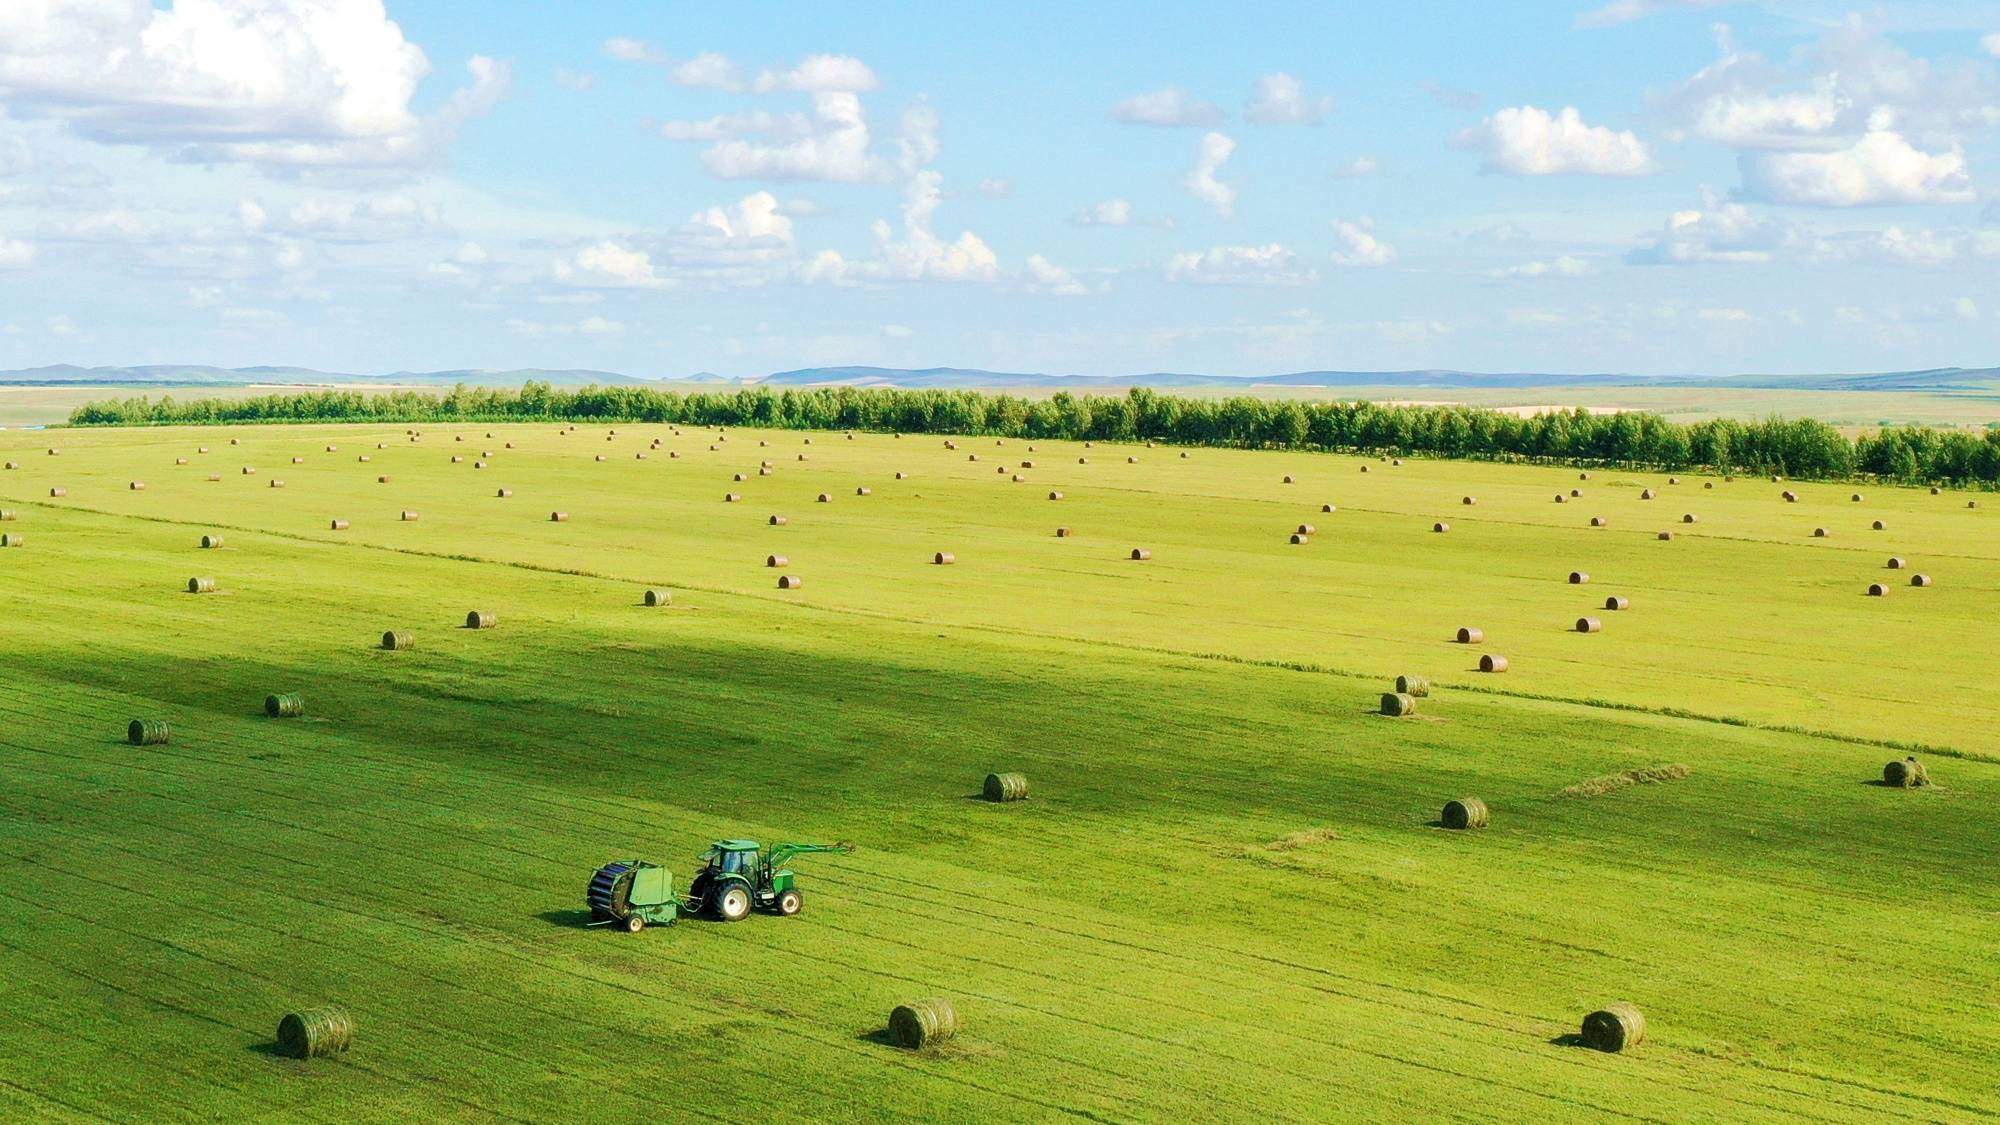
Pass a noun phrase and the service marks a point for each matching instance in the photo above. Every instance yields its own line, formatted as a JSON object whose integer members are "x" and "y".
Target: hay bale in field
{"x": 864, "y": 491}
{"x": 1708, "y": 484}
{"x": 1141, "y": 554}
{"x": 409, "y": 517}
{"x": 1184, "y": 455}
{"x": 201, "y": 585}
{"x": 739, "y": 477}
{"x": 558, "y": 517}
{"x": 1879, "y": 525}
{"x": 1856, "y": 498}
{"x": 1465, "y": 812}
{"x": 1688, "y": 518}
{"x": 287, "y": 705}
{"x": 1598, "y": 521}
{"x": 481, "y": 619}
{"x": 1492, "y": 663}
{"x": 1020, "y": 479}
{"x": 826, "y": 497}
{"x": 1561, "y": 499}
{"x": 1877, "y": 590}
{"x": 1440, "y": 527}
{"x": 951, "y": 445}
{"x": 1583, "y": 476}
{"x": 803, "y": 457}
{"x": 1083, "y": 460}
{"x": 658, "y": 597}
{"x": 249, "y": 470}
{"x": 333, "y": 449}
{"x": 7, "y": 515}
{"x": 764, "y": 472}
{"x": 53, "y": 452}
{"x": 276, "y": 483}
{"x": 1972, "y": 503}
{"x": 298, "y": 460}
{"x": 1027, "y": 464}
{"x": 1419, "y": 686}
{"x": 313, "y": 1033}
{"x": 1821, "y": 533}
{"x": 1936, "y": 491}
{"x": 1920, "y": 580}
{"x": 1615, "y": 603}
{"x": 902, "y": 476}
{"x": 790, "y": 582}
{"x": 1468, "y": 501}
{"x": 1002, "y": 470}
{"x": 923, "y": 1023}
{"x": 1398, "y": 704}
{"x": 1396, "y": 461}
{"x": 1289, "y": 479}
{"x": 731, "y": 497}
{"x": 177, "y": 461}
{"x": 1307, "y": 529}
{"x": 12, "y": 539}
{"x": 383, "y": 479}
{"x": 1055, "y": 495}
{"x": 1589, "y": 625}
{"x": 58, "y": 492}
{"x": 1666, "y": 536}
{"x": 1647, "y": 494}
{"x": 1673, "y": 480}
{"x": 211, "y": 542}
{"x": 972, "y": 457}
{"x": 1131, "y": 460}
{"x": 1790, "y": 496}
{"x": 774, "y": 561}
{"x": 201, "y": 449}
{"x": 602, "y": 457}
{"x": 1006, "y": 787}
{"x": 1064, "y": 533}
{"x": 502, "y": 493}
{"x": 1299, "y": 539}
{"x": 363, "y": 458}
{"x": 137, "y": 486}
{"x": 398, "y": 641}
{"x": 148, "y": 732}
{"x": 339, "y": 525}
{"x": 1578, "y": 578}
{"x": 17, "y": 464}
{"x": 1613, "y": 1028}
{"x": 1906, "y": 773}
{"x": 1328, "y": 508}
{"x": 1897, "y": 562}
{"x": 1364, "y": 468}
{"x": 1471, "y": 636}
{"x": 944, "y": 558}
{"x": 777, "y": 521}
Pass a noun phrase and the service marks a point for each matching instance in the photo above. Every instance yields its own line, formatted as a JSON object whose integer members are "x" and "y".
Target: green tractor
{"x": 736, "y": 877}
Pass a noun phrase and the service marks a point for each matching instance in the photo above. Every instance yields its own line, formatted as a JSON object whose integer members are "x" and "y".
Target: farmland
{"x": 1226, "y": 899}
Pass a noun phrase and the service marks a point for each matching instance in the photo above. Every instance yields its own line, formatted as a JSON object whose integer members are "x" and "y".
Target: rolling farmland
{"x": 1227, "y": 896}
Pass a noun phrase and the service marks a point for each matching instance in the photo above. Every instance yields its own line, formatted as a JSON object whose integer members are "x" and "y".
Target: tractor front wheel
{"x": 790, "y": 903}
{"x": 732, "y": 903}
{"x": 633, "y": 923}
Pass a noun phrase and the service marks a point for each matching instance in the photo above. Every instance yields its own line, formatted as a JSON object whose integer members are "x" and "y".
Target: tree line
{"x": 1793, "y": 447}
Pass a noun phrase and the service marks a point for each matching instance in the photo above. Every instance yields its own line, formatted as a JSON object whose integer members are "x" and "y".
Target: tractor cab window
{"x": 736, "y": 863}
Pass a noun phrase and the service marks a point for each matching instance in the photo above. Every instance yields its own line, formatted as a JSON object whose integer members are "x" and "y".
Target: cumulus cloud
{"x": 1527, "y": 141}
{"x": 1721, "y": 233}
{"x": 1280, "y": 99}
{"x": 1626, "y": 11}
{"x": 832, "y": 144}
{"x": 707, "y": 71}
{"x": 1991, "y": 43}
{"x": 1880, "y": 168}
{"x": 1356, "y": 244}
{"x": 1562, "y": 265}
{"x": 16, "y": 254}
{"x": 1239, "y": 265}
{"x": 1045, "y": 276}
{"x": 995, "y": 187}
{"x": 630, "y": 50}
{"x": 1213, "y": 152}
{"x": 289, "y": 83}
{"x": 609, "y": 264}
{"x": 821, "y": 74}
{"x": 1110, "y": 213}
{"x": 1171, "y": 107}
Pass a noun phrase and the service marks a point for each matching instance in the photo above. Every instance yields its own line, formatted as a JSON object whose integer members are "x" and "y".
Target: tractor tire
{"x": 732, "y": 903}
{"x": 633, "y": 923}
{"x": 790, "y": 903}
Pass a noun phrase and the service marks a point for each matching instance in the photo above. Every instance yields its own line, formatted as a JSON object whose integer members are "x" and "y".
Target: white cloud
{"x": 707, "y": 71}
{"x": 1723, "y": 233}
{"x": 922, "y": 256}
{"x": 15, "y": 254}
{"x": 1991, "y": 43}
{"x": 288, "y": 83}
{"x": 821, "y": 74}
{"x": 1239, "y": 265}
{"x": 996, "y": 188}
{"x": 1358, "y": 246}
{"x": 754, "y": 218}
{"x": 631, "y": 50}
{"x": 1626, "y": 11}
{"x": 1045, "y": 276}
{"x": 1213, "y": 152}
{"x": 1965, "y": 308}
{"x": 1171, "y": 106}
{"x": 833, "y": 145}
{"x": 1110, "y": 213}
{"x": 598, "y": 326}
{"x": 1880, "y": 168}
{"x": 1280, "y": 99}
{"x": 1527, "y": 141}
{"x": 609, "y": 264}
{"x": 780, "y": 126}
{"x": 1561, "y": 266}
{"x": 1359, "y": 168}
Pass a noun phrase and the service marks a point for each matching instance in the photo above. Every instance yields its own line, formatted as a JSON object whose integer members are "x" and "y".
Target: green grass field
{"x": 1228, "y": 898}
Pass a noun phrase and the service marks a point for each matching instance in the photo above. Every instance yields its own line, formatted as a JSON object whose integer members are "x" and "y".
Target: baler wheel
{"x": 633, "y": 923}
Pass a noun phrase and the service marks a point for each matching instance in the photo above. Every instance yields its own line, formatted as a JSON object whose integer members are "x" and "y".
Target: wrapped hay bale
{"x": 276, "y": 483}
{"x": 1877, "y": 590}
{"x": 1006, "y": 787}
{"x": 1083, "y": 460}
{"x": 1440, "y": 527}
{"x": 339, "y": 525}
{"x": 363, "y": 459}
{"x": 739, "y": 478}
{"x": 288, "y": 705}
{"x": 1364, "y": 468}
{"x": 409, "y": 516}
{"x": 398, "y": 641}
{"x": 1465, "y": 812}
{"x": 1419, "y": 686}
{"x": 1131, "y": 460}
{"x": 481, "y": 619}
{"x": 201, "y": 585}
{"x": 558, "y": 517}
{"x": 1589, "y": 625}
{"x": 944, "y": 558}
{"x": 211, "y": 542}
{"x": 1055, "y": 495}
{"x": 1856, "y": 498}
{"x": 864, "y": 491}
{"x": 148, "y": 732}
{"x": 790, "y": 582}
{"x": 1289, "y": 480}
{"x": 1578, "y": 578}
{"x": 1583, "y": 476}
{"x": 503, "y": 493}
{"x": 58, "y": 492}
{"x": 1328, "y": 508}
{"x": 656, "y": 598}
{"x": 1468, "y": 501}
{"x": 12, "y": 539}
{"x": 7, "y": 515}
{"x": 249, "y": 470}
{"x": 776, "y": 561}
{"x": 1896, "y": 562}
{"x": 1398, "y": 704}
{"x": 1300, "y": 540}
{"x": 1307, "y": 529}
{"x": 1614, "y": 1028}
{"x": 1616, "y": 603}
{"x": 902, "y": 476}
{"x": 1905, "y": 773}
{"x": 1790, "y": 496}
{"x": 1561, "y": 499}
{"x": 314, "y": 1033}
{"x": 731, "y": 497}
{"x": 1492, "y": 663}
{"x": 1141, "y": 554}
{"x": 777, "y": 521}
{"x": 137, "y": 486}
{"x": 1920, "y": 579}
{"x": 826, "y": 497}
{"x": 1471, "y": 636}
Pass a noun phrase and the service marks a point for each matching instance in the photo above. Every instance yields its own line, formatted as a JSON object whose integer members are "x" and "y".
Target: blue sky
{"x": 1114, "y": 188}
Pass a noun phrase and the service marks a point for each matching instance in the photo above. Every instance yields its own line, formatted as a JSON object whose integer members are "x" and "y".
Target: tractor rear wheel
{"x": 732, "y": 903}
{"x": 633, "y": 923}
{"x": 790, "y": 903}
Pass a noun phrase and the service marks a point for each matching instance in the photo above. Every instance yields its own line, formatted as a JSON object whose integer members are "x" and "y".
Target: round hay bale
{"x": 276, "y": 483}
{"x": 558, "y": 517}
{"x": 1299, "y": 539}
{"x": 12, "y": 539}
{"x": 1141, "y": 554}
{"x": 249, "y": 470}
{"x": 201, "y": 585}
{"x": 803, "y": 457}
{"x": 972, "y": 457}
{"x": 1307, "y": 529}
{"x": 1055, "y": 495}
{"x": 7, "y": 515}
{"x": 1877, "y": 590}
{"x": 298, "y": 460}
{"x": 657, "y": 597}
{"x": 382, "y": 480}
{"x": 1905, "y": 773}
{"x": 481, "y": 619}
{"x": 1492, "y": 663}
{"x": 1647, "y": 494}
{"x": 1614, "y": 1028}
{"x": 777, "y": 521}
{"x": 776, "y": 561}
{"x": 58, "y": 492}
{"x": 951, "y": 445}
{"x": 1936, "y": 491}
{"x": 731, "y": 497}
{"x": 1920, "y": 580}
{"x": 1002, "y": 470}
{"x": 1083, "y": 460}
{"x": 923, "y": 1023}
{"x": 1856, "y": 498}
{"x": 1364, "y": 468}
{"x": 944, "y": 558}
{"x": 1708, "y": 484}
{"x": 288, "y": 705}
{"x": 1398, "y": 704}
{"x": 1468, "y": 501}
{"x": 1615, "y": 603}
{"x": 236, "y": 441}
{"x": 1440, "y": 527}
{"x": 1289, "y": 480}
{"x": 333, "y": 449}
{"x": 1184, "y": 455}
{"x": 362, "y": 459}
{"x": 1666, "y": 536}
{"x": 1598, "y": 521}
{"x": 409, "y": 517}
{"x": 602, "y": 457}
{"x": 902, "y": 476}
{"x": 1328, "y": 508}
{"x": 1673, "y": 480}
{"x": 1589, "y": 625}
{"x": 1396, "y": 461}
{"x": 1027, "y": 464}
{"x": 864, "y": 491}
{"x": 137, "y": 486}
{"x": 17, "y": 464}
{"x": 1790, "y": 496}
{"x": 1897, "y": 562}
{"x": 1471, "y": 636}
{"x": 1820, "y": 533}
{"x": 1578, "y": 578}
{"x": 55, "y": 452}
{"x": 1561, "y": 499}
{"x": 214, "y": 477}
{"x": 739, "y": 477}
{"x": 1064, "y": 533}
{"x": 790, "y": 582}
{"x": 398, "y": 641}
{"x": 1465, "y": 812}
{"x": 210, "y": 542}
{"x": 1972, "y": 503}
{"x": 1131, "y": 460}
{"x": 148, "y": 732}
{"x": 1583, "y": 476}
{"x": 1689, "y": 518}
{"x": 314, "y": 1033}
{"x": 826, "y": 497}
{"x": 1006, "y": 787}
{"x": 339, "y": 525}
{"x": 502, "y": 493}
{"x": 1419, "y": 686}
